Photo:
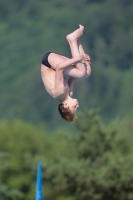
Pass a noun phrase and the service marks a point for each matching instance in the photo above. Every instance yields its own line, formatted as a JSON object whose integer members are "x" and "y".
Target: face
{"x": 72, "y": 104}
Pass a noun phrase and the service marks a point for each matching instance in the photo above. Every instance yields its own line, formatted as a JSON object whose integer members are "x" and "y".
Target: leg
{"x": 77, "y": 49}
{"x": 87, "y": 63}
{"x": 79, "y": 70}
{"x": 80, "y": 47}
{"x": 72, "y": 39}
{"x": 73, "y": 43}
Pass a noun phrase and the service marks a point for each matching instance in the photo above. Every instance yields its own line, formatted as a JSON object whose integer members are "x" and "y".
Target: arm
{"x": 68, "y": 62}
{"x": 74, "y": 72}
{"x": 88, "y": 67}
{"x": 71, "y": 84}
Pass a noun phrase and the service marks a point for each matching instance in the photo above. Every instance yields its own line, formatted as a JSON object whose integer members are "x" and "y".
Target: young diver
{"x": 55, "y": 66}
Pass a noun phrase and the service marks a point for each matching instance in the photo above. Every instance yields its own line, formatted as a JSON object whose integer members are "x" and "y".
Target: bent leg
{"x": 73, "y": 43}
{"x": 80, "y": 47}
{"x": 87, "y": 63}
{"x": 72, "y": 39}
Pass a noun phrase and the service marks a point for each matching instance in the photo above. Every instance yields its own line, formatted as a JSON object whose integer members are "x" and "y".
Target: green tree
{"x": 99, "y": 166}
{"x": 22, "y": 145}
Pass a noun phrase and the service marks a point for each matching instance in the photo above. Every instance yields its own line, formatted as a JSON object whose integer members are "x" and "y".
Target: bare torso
{"x": 54, "y": 81}
{"x": 48, "y": 76}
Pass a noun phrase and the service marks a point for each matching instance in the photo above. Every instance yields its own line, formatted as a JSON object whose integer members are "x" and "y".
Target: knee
{"x": 87, "y": 73}
{"x": 82, "y": 74}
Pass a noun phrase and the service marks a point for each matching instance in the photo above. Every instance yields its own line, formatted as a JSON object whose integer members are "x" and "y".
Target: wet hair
{"x": 66, "y": 113}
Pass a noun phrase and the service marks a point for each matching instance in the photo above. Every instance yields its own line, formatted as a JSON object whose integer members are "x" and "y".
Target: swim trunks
{"x": 45, "y": 60}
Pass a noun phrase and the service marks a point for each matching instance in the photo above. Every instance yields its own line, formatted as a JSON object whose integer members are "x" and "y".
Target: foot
{"x": 76, "y": 34}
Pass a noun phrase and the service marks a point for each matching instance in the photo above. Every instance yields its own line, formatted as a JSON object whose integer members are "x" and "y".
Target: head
{"x": 67, "y": 109}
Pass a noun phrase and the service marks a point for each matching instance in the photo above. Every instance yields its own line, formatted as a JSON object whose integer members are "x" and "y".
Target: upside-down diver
{"x": 55, "y": 66}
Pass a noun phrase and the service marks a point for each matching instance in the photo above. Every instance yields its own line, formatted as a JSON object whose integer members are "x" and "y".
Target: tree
{"x": 99, "y": 167}
{"x": 22, "y": 145}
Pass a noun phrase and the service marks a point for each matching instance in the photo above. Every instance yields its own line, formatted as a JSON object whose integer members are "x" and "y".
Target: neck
{"x": 66, "y": 99}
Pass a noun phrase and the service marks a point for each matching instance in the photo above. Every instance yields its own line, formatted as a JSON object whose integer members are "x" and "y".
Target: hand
{"x": 87, "y": 58}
